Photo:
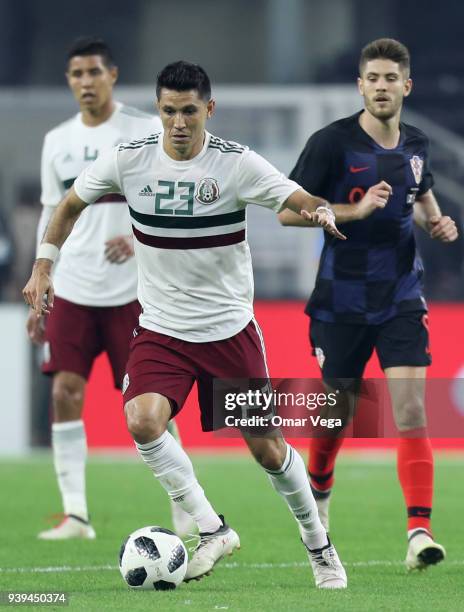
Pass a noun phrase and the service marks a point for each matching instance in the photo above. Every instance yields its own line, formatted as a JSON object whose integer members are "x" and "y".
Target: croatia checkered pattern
{"x": 376, "y": 273}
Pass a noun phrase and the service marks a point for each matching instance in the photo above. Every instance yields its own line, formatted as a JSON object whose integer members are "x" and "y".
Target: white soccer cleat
{"x": 70, "y": 527}
{"x": 423, "y": 551}
{"x": 210, "y": 550}
{"x": 182, "y": 522}
{"x": 328, "y": 570}
{"x": 323, "y": 502}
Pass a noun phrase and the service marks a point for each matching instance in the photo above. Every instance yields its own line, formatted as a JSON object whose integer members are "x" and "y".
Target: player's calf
{"x": 323, "y": 502}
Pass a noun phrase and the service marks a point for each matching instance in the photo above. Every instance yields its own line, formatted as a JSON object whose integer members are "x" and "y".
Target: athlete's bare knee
{"x": 268, "y": 452}
{"x": 411, "y": 415}
{"x": 67, "y": 396}
{"x": 147, "y": 418}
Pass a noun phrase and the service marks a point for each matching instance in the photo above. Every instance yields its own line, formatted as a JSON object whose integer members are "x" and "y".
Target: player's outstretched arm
{"x": 314, "y": 211}
{"x": 427, "y": 215}
{"x": 38, "y": 292}
{"x": 376, "y": 198}
{"x": 288, "y": 217}
{"x": 307, "y": 214}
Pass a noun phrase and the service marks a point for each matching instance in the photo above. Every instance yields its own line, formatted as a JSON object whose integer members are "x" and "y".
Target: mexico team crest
{"x": 125, "y": 382}
{"x": 207, "y": 191}
{"x": 417, "y": 164}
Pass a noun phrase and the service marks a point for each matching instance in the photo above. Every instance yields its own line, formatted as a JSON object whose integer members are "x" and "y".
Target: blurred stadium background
{"x": 280, "y": 70}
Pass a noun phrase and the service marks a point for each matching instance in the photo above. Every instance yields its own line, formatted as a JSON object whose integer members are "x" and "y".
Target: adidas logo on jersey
{"x": 146, "y": 191}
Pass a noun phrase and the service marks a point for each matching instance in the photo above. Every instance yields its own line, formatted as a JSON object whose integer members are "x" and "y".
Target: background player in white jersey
{"x": 196, "y": 291}
{"x": 96, "y": 278}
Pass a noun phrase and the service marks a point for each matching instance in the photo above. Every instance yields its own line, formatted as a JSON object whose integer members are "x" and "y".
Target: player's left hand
{"x": 35, "y": 326}
{"x": 119, "y": 249}
{"x": 39, "y": 292}
{"x": 443, "y": 228}
{"x": 324, "y": 218}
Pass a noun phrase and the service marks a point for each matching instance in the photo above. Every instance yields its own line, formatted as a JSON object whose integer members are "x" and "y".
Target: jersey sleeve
{"x": 313, "y": 168}
{"x": 52, "y": 190}
{"x": 427, "y": 181}
{"x": 258, "y": 182}
{"x": 99, "y": 178}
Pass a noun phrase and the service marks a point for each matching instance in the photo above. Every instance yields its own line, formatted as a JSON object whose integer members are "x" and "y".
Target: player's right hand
{"x": 39, "y": 293}
{"x": 375, "y": 198}
{"x": 324, "y": 218}
{"x": 35, "y": 328}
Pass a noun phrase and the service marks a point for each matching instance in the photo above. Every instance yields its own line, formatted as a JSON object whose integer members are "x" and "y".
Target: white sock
{"x": 174, "y": 431}
{"x": 410, "y": 532}
{"x": 69, "y": 455}
{"x": 172, "y": 467}
{"x": 291, "y": 481}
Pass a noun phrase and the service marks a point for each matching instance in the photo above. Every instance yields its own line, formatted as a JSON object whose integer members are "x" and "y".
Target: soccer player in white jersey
{"x": 187, "y": 193}
{"x": 96, "y": 306}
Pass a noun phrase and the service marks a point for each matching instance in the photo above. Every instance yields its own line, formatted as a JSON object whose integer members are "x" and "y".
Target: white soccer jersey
{"x": 188, "y": 218}
{"x": 83, "y": 275}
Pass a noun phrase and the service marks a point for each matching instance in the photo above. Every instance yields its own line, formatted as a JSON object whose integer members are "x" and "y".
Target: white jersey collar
{"x": 116, "y": 111}
{"x": 188, "y": 162}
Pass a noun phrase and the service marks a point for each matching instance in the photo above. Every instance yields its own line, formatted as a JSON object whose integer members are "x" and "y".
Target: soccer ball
{"x": 153, "y": 558}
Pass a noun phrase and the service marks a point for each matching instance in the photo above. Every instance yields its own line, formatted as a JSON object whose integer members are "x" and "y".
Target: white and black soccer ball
{"x": 153, "y": 558}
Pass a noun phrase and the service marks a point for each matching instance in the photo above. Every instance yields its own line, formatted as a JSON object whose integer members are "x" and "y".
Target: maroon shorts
{"x": 169, "y": 366}
{"x": 75, "y": 335}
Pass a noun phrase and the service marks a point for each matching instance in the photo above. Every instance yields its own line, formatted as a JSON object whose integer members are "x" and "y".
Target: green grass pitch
{"x": 270, "y": 572}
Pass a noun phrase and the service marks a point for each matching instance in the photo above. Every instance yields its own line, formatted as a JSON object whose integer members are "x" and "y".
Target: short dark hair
{"x": 385, "y": 48}
{"x": 91, "y": 45}
{"x": 184, "y": 76}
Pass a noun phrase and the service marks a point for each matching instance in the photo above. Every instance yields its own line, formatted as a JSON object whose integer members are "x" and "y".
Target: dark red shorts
{"x": 75, "y": 335}
{"x": 169, "y": 366}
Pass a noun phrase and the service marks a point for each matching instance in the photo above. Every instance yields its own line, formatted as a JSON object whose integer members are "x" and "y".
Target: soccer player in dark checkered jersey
{"x": 368, "y": 291}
